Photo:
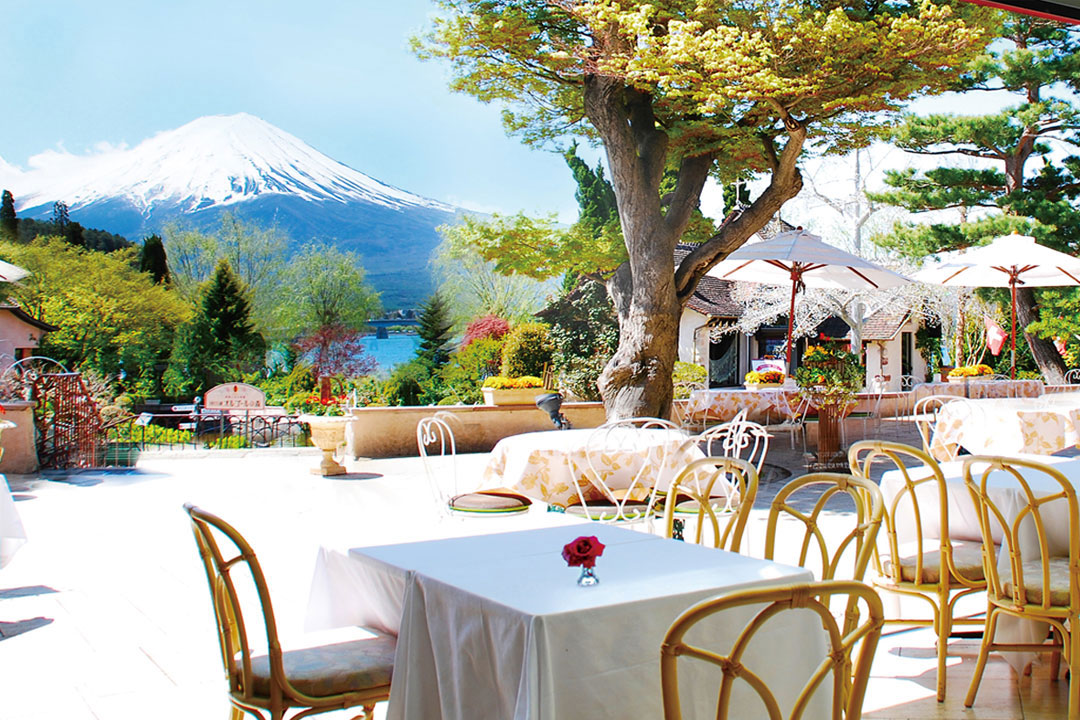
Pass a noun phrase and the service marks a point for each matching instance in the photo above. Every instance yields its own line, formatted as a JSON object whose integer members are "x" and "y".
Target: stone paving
{"x": 105, "y": 615}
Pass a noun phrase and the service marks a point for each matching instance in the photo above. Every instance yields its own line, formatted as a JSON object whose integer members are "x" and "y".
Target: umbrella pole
{"x": 1012, "y": 286}
{"x": 791, "y": 319}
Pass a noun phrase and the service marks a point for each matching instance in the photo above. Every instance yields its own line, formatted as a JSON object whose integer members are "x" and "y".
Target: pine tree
{"x": 9, "y": 223}
{"x": 153, "y": 260}
{"x": 60, "y": 216}
{"x": 435, "y": 325}
{"x": 1034, "y": 58}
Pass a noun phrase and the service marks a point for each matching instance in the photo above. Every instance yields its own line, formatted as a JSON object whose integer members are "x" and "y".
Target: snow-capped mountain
{"x": 242, "y": 164}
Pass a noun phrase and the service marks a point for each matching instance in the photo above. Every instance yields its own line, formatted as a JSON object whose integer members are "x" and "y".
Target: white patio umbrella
{"x": 1006, "y": 261}
{"x": 802, "y": 259}
{"x": 11, "y": 273}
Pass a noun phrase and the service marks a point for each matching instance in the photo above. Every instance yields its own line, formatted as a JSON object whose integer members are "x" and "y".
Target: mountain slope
{"x": 242, "y": 164}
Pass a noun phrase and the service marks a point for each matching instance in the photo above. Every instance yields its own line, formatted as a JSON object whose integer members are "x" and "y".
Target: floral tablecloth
{"x": 761, "y": 406}
{"x": 979, "y": 389}
{"x": 545, "y": 465}
{"x": 1033, "y": 426}
{"x": 12, "y": 535}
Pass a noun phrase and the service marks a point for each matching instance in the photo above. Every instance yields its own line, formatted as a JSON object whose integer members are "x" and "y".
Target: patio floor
{"x": 104, "y": 613}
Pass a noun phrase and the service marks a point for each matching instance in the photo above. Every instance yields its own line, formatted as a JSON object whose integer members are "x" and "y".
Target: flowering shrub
{"x": 768, "y": 377}
{"x": 971, "y": 371}
{"x": 829, "y": 376}
{"x": 500, "y": 382}
{"x": 311, "y": 404}
{"x": 489, "y": 326}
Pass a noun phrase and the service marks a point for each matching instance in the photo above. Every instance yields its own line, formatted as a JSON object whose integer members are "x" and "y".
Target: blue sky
{"x": 336, "y": 73}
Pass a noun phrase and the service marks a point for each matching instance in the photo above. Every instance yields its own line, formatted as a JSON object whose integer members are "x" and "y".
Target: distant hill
{"x": 242, "y": 164}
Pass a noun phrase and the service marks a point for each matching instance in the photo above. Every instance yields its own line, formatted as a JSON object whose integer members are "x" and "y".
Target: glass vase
{"x": 588, "y": 577}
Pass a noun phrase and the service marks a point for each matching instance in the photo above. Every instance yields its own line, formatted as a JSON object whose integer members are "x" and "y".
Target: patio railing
{"x": 210, "y": 429}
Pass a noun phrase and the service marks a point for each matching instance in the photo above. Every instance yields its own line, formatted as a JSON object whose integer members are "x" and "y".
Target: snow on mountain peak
{"x": 210, "y": 161}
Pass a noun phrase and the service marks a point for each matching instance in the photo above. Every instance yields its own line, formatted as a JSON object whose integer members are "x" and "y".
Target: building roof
{"x": 712, "y": 296}
{"x": 27, "y": 318}
{"x": 885, "y": 323}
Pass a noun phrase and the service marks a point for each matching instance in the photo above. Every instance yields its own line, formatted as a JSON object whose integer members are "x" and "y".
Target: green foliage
{"x": 685, "y": 372}
{"x": 585, "y": 333}
{"x": 220, "y": 342}
{"x": 110, "y": 317}
{"x": 928, "y": 343}
{"x": 326, "y": 287}
{"x": 282, "y": 386}
{"x": 311, "y": 403}
{"x": 368, "y": 391}
{"x": 829, "y": 376}
{"x": 229, "y": 442}
{"x": 152, "y": 259}
{"x": 468, "y": 368}
{"x": 435, "y": 325}
{"x": 527, "y": 349}
{"x": 579, "y": 375}
{"x": 92, "y": 238}
{"x": 407, "y": 383}
{"x": 149, "y": 434}
{"x": 9, "y": 223}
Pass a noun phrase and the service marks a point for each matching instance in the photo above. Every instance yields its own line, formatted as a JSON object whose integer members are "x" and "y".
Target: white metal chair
{"x": 925, "y": 414}
{"x": 794, "y": 418}
{"x": 438, "y": 451}
{"x": 680, "y": 404}
{"x": 741, "y": 439}
{"x": 1072, "y": 377}
{"x": 622, "y": 469}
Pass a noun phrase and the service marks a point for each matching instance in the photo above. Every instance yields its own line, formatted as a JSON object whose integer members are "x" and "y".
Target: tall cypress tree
{"x": 153, "y": 260}
{"x": 435, "y": 324}
{"x": 9, "y": 223}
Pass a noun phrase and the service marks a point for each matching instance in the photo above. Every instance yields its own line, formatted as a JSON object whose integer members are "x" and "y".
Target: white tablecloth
{"x": 761, "y": 406}
{"x": 964, "y": 525}
{"x": 497, "y": 627}
{"x": 979, "y": 389}
{"x": 544, "y": 465}
{"x": 12, "y": 535}
{"x": 1037, "y": 426}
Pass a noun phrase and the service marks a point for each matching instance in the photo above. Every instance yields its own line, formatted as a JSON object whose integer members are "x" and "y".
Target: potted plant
{"x": 829, "y": 379}
{"x": 501, "y": 390}
{"x": 755, "y": 380}
{"x": 970, "y": 372}
{"x": 327, "y": 420}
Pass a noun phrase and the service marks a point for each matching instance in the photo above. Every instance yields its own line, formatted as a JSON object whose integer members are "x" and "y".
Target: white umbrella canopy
{"x": 11, "y": 273}
{"x": 1006, "y": 261}
{"x": 803, "y": 260}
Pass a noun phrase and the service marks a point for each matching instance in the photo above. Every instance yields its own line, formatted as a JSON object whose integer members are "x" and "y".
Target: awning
{"x": 1064, "y": 10}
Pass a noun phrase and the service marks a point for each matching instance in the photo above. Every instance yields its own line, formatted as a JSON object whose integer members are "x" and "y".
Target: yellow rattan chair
{"x": 312, "y": 680}
{"x": 848, "y": 689}
{"x": 938, "y": 570}
{"x": 1019, "y": 589}
{"x": 861, "y": 540}
{"x": 718, "y": 493}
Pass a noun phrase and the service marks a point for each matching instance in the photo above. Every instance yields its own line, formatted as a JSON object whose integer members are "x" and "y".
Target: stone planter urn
{"x": 327, "y": 434}
{"x": 4, "y": 425}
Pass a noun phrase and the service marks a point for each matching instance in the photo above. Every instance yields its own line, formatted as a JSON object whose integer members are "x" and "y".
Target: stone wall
{"x": 20, "y": 452}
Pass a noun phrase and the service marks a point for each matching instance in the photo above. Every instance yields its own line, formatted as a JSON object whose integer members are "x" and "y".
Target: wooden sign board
{"x": 234, "y": 396}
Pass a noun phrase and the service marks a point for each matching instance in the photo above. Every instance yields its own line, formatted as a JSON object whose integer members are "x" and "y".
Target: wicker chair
{"x": 319, "y": 679}
{"x": 940, "y": 570}
{"x": 1033, "y": 565}
{"x": 849, "y": 676}
{"x": 718, "y": 494}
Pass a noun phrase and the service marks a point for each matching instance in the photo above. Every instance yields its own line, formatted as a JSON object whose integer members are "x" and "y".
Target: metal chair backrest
{"x": 925, "y": 415}
{"x": 231, "y": 569}
{"x": 908, "y": 382}
{"x": 620, "y": 449}
{"x": 438, "y": 451}
{"x": 1024, "y": 531}
{"x": 1072, "y": 377}
{"x": 741, "y": 439}
{"x": 680, "y": 404}
{"x": 719, "y": 493}
{"x": 820, "y": 488}
{"x": 849, "y": 678}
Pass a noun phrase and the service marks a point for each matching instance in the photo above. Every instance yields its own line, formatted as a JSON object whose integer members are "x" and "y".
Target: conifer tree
{"x": 435, "y": 325}
{"x": 1036, "y": 57}
{"x": 153, "y": 260}
{"x": 9, "y": 223}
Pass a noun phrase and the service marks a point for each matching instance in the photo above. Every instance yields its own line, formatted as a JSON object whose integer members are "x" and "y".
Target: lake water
{"x": 391, "y": 351}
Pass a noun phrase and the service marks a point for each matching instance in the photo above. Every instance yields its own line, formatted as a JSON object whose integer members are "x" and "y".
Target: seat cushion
{"x": 332, "y": 669}
{"x": 490, "y": 501}
{"x": 1059, "y": 582}
{"x": 606, "y": 510}
{"x": 967, "y": 559}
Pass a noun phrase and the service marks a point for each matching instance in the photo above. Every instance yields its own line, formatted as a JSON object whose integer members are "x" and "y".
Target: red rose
{"x": 583, "y": 552}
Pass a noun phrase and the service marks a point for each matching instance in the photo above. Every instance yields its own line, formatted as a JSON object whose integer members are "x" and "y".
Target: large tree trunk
{"x": 1046, "y": 355}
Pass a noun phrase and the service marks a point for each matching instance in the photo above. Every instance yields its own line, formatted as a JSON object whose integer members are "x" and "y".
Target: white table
{"x": 12, "y": 535}
{"x": 1009, "y": 426}
{"x": 497, "y": 627}
{"x": 964, "y": 525}
{"x": 546, "y": 465}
